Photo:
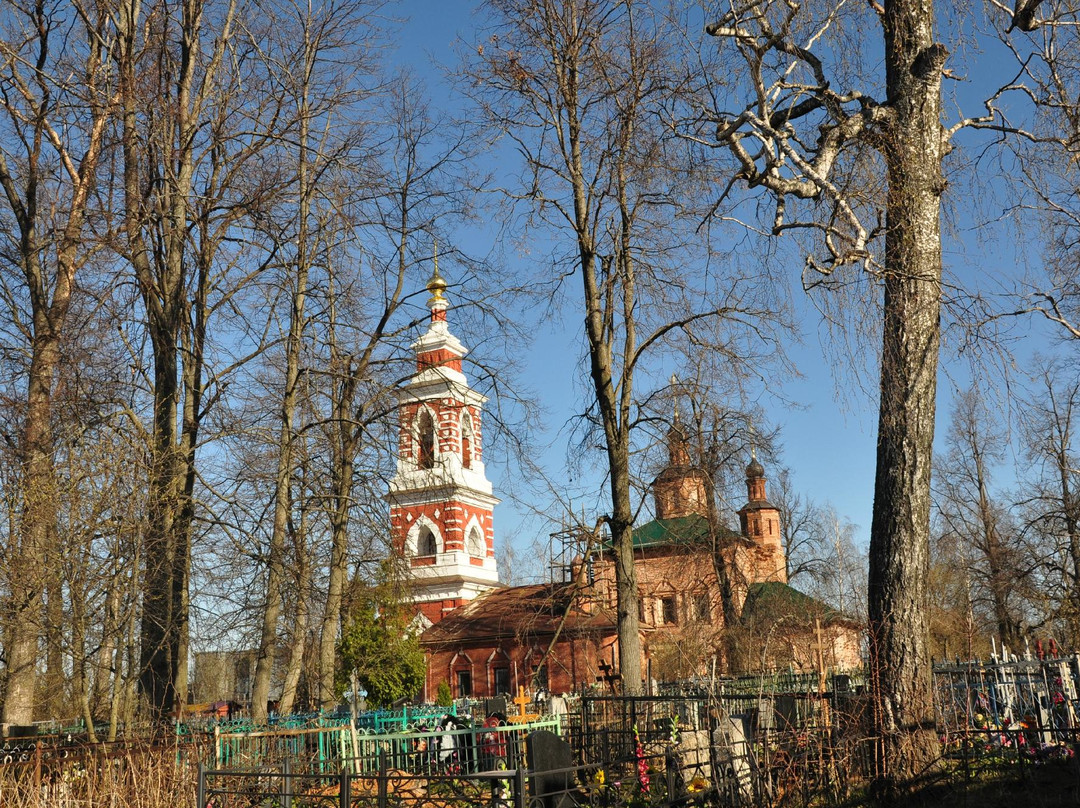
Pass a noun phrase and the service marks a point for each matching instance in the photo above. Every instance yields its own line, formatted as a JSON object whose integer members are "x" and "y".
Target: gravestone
{"x": 691, "y": 760}
{"x": 734, "y": 770}
{"x": 496, "y": 706}
{"x": 547, "y": 754}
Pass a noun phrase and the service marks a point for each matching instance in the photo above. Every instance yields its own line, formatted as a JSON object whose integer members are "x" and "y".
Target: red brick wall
{"x": 573, "y": 664}
{"x": 453, "y": 520}
{"x": 440, "y": 358}
{"x": 447, "y": 416}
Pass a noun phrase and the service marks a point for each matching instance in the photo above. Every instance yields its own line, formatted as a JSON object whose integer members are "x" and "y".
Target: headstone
{"x": 734, "y": 771}
{"x": 692, "y": 761}
{"x": 495, "y": 706}
{"x": 550, "y": 760}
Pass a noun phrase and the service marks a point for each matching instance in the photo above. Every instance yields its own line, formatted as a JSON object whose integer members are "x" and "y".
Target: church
{"x": 712, "y": 600}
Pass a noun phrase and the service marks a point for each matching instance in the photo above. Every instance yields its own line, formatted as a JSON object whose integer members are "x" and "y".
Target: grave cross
{"x": 608, "y": 675}
{"x": 819, "y": 648}
{"x": 522, "y": 717}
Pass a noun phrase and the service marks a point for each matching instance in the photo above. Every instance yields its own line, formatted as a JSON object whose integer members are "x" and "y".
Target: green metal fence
{"x": 416, "y": 750}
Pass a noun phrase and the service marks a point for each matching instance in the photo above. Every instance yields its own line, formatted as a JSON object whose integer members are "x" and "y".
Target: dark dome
{"x": 755, "y": 469}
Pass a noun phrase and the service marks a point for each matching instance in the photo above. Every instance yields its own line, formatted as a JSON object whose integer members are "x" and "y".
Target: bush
{"x": 443, "y": 696}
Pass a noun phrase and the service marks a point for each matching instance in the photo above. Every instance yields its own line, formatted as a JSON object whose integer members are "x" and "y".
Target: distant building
{"x": 223, "y": 676}
{"x": 712, "y": 599}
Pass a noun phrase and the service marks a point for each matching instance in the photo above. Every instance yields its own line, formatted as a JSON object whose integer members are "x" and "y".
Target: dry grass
{"x": 154, "y": 778}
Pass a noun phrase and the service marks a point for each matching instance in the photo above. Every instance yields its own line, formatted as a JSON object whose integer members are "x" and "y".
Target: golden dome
{"x": 436, "y": 284}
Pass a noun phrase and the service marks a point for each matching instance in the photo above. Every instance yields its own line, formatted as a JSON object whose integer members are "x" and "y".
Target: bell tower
{"x": 760, "y": 522}
{"x": 440, "y": 499}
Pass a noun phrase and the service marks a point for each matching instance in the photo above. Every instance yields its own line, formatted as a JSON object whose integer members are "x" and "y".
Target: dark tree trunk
{"x": 158, "y": 632}
{"x": 1070, "y": 505}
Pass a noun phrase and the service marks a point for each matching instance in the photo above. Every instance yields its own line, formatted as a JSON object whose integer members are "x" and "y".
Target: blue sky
{"x": 828, "y": 419}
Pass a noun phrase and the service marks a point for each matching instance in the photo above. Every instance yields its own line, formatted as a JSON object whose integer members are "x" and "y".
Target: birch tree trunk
{"x": 914, "y": 146}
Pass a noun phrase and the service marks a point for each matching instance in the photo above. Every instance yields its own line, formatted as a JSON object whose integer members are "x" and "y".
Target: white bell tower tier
{"x": 440, "y": 499}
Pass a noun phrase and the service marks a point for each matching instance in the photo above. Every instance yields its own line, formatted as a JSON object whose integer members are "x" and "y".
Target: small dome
{"x": 754, "y": 470}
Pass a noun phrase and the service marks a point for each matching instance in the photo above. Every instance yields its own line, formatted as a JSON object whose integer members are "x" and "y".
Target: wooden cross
{"x": 608, "y": 675}
{"x": 522, "y": 717}
{"x": 819, "y": 647}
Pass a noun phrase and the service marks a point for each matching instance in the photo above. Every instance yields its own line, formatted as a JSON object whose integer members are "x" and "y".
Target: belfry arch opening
{"x": 426, "y": 542}
{"x": 425, "y": 436}
{"x": 468, "y": 442}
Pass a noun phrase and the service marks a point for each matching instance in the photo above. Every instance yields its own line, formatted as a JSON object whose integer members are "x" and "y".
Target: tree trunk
{"x": 158, "y": 631}
{"x": 899, "y": 540}
{"x": 1070, "y": 503}
{"x": 158, "y": 219}
{"x": 341, "y": 502}
{"x": 56, "y": 702}
{"x": 276, "y": 556}
{"x": 26, "y": 182}
{"x": 298, "y": 640}
{"x": 28, "y": 561}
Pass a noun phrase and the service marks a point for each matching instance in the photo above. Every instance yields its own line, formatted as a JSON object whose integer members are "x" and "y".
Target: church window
{"x": 467, "y": 447}
{"x": 426, "y": 544}
{"x": 426, "y": 434}
{"x": 464, "y": 684}
{"x": 540, "y": 678}
{"x": 669, "y": 610}
{"x": 502, "y": 681}
{"x": 476, "y": 542}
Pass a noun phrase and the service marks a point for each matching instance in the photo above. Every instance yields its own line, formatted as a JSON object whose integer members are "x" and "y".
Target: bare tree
{"x": 189, "y": 178}
{"x": 804, "y": 536}
{"x": 57, "y": 94}
{"x": 576, "y": 85}
{"x": 311, "y": 44}
{"x": 969, "y": 512}
{"x": 416, "y": 187}
{"x": 1052, "y": 490}
{"x": 849, "y": 168}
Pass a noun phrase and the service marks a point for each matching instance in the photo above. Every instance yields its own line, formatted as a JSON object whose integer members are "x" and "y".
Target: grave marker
{"x": 522, "y": 717}
{"x": 547, "y": 754}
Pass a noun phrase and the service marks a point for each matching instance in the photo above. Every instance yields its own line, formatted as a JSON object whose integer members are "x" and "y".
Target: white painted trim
{"x": 465, "y": 427}
{"x": 474, "y": 524}
{"x": 403, "y": 495}
{"x": 461, "y": 654}
{"x": 419, "y": 624}
{"x": 414, "y": 533}
{"x": 427, "y": 385}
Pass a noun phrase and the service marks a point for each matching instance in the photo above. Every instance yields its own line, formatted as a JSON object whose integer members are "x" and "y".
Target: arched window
{"x": 426, "y": 545}
{"x": 466, "y": 441}
{"x": 426, "y": 437}
{"x": 475, "y": 543}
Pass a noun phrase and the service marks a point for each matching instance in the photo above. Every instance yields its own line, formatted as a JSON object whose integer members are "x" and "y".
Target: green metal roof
{"x": 772, "y": 599}
{"x": 680, "y": 532}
